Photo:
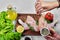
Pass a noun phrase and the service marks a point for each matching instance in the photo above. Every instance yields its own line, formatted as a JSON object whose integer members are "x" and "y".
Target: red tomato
{"x": 49, "y": 16}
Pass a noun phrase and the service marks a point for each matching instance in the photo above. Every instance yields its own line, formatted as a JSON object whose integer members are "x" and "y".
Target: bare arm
{"x": 42, "y": 6}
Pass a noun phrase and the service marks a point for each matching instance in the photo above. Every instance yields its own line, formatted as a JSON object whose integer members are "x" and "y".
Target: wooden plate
{"x": 23, "y": 17}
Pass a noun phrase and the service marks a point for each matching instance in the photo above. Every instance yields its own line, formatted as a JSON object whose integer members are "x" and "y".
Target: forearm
{"x": 50, "y": 5}
{"x": 42, "y": 6}
{"x": 59, "y": 3}
{"x": 55, "y": 4}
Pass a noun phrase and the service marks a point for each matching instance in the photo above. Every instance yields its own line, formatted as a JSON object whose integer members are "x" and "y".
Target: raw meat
{"x": 42, "y": 22}
{"x": 32, "y": 22}
{"x": 23, "y": 24}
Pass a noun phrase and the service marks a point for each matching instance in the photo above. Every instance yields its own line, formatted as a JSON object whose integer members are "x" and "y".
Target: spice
{"x": 27, "y": 38}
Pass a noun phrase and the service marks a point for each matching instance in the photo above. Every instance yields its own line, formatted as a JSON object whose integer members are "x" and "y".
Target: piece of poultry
{"x": 23, "y": 24}
{"x": 42, "y": 22}
{"x": 32, "y": 23}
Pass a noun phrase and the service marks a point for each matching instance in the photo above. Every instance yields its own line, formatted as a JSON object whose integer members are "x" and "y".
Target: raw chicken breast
{"x": 23, "y": 24}
{"x": 32, "y": 22}
{"x": 42, "y": 22}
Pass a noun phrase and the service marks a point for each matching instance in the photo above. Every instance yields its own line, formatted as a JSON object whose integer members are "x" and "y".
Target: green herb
{"x": 37, "y": 22}
{"x": 31, "y": 28}
{"x": 6, "y": 27}
{"x": 48, "y": 21}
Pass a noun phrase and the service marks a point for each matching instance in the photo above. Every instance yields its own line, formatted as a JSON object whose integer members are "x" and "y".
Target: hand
{"x": 42, "y": 6}
{"x": 53, "y": 35}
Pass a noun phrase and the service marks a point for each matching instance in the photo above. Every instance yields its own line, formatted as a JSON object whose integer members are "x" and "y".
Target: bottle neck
{"x": 9, "y": 8}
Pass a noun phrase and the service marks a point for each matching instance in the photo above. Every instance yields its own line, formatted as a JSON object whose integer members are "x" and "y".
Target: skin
{"x": 42, "y": 6}
{"x": 53, "y": 35}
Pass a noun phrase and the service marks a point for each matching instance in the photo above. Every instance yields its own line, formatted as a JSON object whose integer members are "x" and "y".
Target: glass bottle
{"x": 12, "y": 14}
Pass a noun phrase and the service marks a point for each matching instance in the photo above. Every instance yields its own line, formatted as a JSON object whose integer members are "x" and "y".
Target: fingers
{"x": 38, "y": 7}
{"x": 50, "y": 38}
{"x": 52, "y": 30}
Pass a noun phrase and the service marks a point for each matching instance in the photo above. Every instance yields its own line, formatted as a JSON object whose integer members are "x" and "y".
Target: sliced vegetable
{"x": 20, "y": 29}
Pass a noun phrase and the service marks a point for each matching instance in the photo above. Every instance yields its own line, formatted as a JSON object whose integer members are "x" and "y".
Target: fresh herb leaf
{"x": 6, "y": 27}
{"x": 31, "y": 28}
{"x": 37, "y": 22}
{"x": 48, "y": 21}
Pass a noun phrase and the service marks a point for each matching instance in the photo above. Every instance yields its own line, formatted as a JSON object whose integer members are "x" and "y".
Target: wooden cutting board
{"x": 23, "y": 17}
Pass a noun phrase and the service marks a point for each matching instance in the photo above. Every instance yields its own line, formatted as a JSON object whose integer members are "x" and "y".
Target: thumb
{"x": 52, "y": 31}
